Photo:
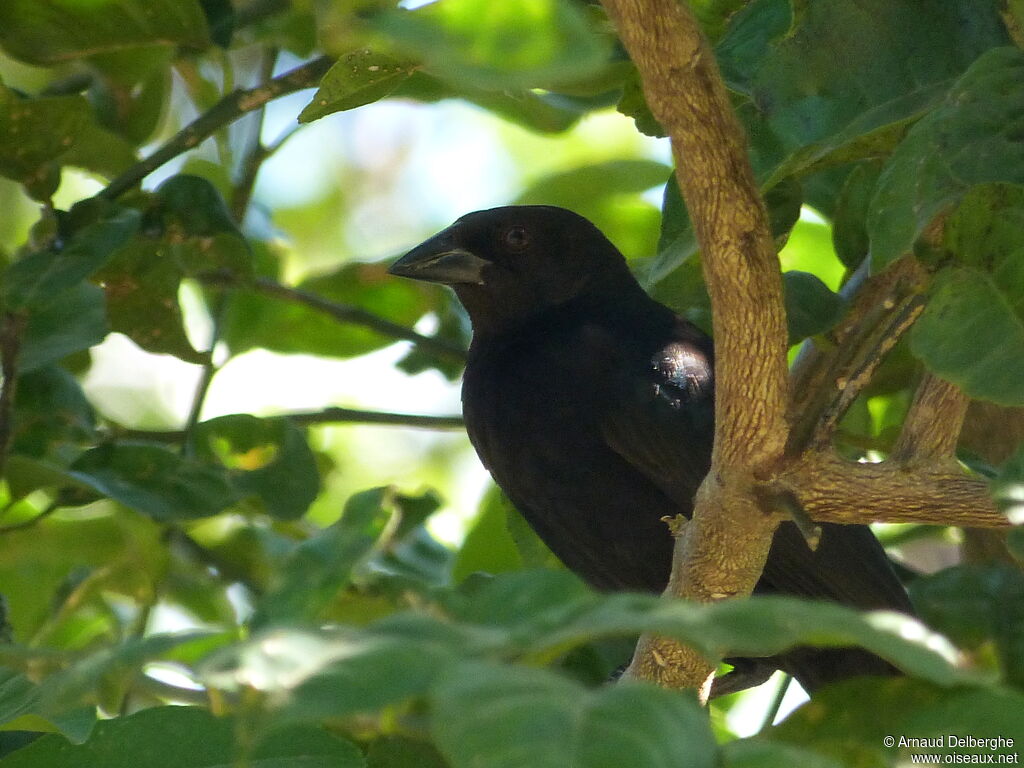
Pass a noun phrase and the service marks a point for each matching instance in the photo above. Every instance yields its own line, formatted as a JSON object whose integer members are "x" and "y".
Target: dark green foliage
{"x": 338, "y": 629}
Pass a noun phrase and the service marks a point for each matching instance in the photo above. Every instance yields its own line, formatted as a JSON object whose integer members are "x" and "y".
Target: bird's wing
{"x": 660, "y": 417}
{"x": 663, "y": 425}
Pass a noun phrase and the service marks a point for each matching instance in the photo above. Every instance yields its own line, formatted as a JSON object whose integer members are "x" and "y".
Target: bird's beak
{"x": 440, "y": 260}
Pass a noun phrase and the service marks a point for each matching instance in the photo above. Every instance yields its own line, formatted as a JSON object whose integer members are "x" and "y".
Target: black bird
{"x": 592, "y": 406}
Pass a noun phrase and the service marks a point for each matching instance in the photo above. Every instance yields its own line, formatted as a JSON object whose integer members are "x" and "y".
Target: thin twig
{"x": 257, "y": 153}
{"x": 345, "y": 313}
{"x": 227, "y": 110}
{"x": 326, "y": 416}
{"x": 773, "y": 709}
{"x": 209, "y": 367}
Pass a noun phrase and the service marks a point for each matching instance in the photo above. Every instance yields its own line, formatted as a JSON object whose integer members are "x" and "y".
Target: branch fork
{"x": 759, "y": 461}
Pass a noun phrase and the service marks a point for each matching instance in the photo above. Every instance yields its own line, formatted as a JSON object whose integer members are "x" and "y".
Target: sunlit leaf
{"x": 358, "y": 78}
{"x": 513, "y": 44}
{"x": 543, "y": 112}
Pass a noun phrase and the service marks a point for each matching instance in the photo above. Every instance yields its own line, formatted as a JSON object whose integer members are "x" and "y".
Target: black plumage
{"x": 592, "y": 406}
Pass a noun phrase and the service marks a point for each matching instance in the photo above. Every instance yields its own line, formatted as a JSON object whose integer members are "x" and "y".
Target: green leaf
{"x": 843, "y": 720}
{"x": 155, "y": 480}
{"x": 849, "y": 224}
{"x": 488, "y": 546}
{"x": 38, "y": 134}
{"x": 971, "y": 604}
{"x": 194, "y": 206}
{"x": 75, "y": 321}
{"x": 220, "y": 16}
{"x": 811, "y": 308}
{"x": 68, "y": 690}
{"x": 513, "y": 44}
{"x": 322, "y": 565}
{"x": 51, "y": 414}
{"x": 634, "y": 104}
{"x": 403, "y": 752}
{"x": 310, "y": 676}
{"x": 49, "y": 31}
{"x": 266, "y": 458}
{"x": 550, "y": 610}
{"x": 835, "y": 82}
{"x": 187, "y": 737}
{"x": 357, "y": 78}
{"x": 970, "y": 335}
{"x": 756, "y": 753}
{"x": 141, "y": 285}
{"x": 544, "y": 112}
{"x": 986, "y": 232}
{"x": 39, "y": 279}
{"x": 973, "y": 137}
{"x": 485, "y": 714}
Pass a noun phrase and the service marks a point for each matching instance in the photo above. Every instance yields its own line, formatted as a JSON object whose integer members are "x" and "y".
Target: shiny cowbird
{"x": 592, "y": 406}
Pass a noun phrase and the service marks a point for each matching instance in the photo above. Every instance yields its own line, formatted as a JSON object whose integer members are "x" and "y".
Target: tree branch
{"x": 228, "y": 109}
{"x": 932, "y": 427}
{"x": 721, "y": 552}
{"x": 309, "y": 418}
{"x": 831, "y": 489}
{"x": 826, "y": 382}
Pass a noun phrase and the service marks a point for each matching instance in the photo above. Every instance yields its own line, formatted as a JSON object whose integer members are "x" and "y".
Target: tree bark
{"x": 721, "y": 552}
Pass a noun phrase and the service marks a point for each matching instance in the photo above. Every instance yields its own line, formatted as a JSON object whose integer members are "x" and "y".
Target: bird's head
{"x": 509, "y": 264}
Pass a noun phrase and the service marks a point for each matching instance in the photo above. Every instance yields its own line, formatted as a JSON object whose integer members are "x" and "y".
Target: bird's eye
{"x": 516, "y": 237}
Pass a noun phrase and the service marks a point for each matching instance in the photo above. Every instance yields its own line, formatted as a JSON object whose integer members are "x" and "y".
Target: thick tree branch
{"x": 932, "y": 427}
{"x": 722, "y": 550}
{"x": 826, "y": 382}
{"x": 994, "y": 433}
{"x": 831, "y": 489}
